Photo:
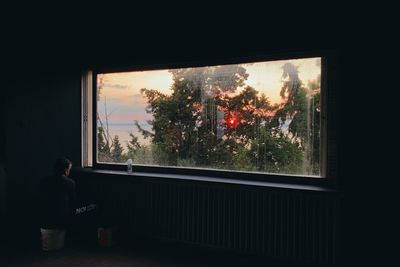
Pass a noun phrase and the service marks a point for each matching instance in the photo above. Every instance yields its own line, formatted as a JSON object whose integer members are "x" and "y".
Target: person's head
{"x": 62, "y": 166}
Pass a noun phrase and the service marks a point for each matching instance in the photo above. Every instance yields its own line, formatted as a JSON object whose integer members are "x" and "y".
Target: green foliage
{"x": 133, "y": 147}
{"x": 189, "y": 129}
{"x": 117, "y": 149}
{"x": 316, "y": 131}
{"x": 274, "y": 153}
{"x": 301, "y": 110}
{"x": 103, "y": 150}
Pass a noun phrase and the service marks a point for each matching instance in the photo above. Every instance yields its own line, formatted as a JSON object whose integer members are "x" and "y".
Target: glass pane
{"x": 254, "y": 117}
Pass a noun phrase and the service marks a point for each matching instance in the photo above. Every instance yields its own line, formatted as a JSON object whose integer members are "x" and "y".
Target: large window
{"x": 260, "y": 117}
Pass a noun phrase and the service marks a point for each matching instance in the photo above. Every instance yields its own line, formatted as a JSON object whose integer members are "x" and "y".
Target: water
{"x": 123, "y": 130}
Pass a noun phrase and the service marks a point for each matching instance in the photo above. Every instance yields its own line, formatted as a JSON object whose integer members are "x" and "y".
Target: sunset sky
{"x": 125, "y": 103}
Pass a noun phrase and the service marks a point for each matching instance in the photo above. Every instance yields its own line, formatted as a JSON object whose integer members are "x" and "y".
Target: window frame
{"x": 328, "y": 159}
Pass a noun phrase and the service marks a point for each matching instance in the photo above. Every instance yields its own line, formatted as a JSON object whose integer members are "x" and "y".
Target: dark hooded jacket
{"x": 57, "y": 201}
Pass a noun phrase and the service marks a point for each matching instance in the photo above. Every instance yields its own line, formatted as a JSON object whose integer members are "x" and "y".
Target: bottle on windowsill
{"x": 129, "y": 165}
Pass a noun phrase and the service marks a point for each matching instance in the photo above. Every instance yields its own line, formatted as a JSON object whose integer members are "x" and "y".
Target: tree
{"x": 204, "y": 122}
{"x": 117, "y": 150}
{"x": 315, "y": 87}
{"x": 184, "y": 123}
{"x": 299, "y": 112}
{"x": 103, "y": 150}
{"x": 104, "y": 138}
{"x": 275, "y": 153}
{"x": 133, "y": 146}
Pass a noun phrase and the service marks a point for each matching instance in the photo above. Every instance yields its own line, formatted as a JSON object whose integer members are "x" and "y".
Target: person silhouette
{"x": 57, "y": 204}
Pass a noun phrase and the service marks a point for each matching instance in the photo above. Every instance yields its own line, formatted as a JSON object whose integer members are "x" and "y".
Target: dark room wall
{"x": 2, "y": 127}
{"x": 42, "y": 123}
{"x": 2, "y": 156}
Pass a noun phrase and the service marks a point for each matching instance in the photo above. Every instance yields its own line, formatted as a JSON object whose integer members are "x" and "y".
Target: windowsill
{"x": 285, "y": 186}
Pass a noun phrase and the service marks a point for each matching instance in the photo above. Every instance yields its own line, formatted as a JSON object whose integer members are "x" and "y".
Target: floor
{"x": 146, "y": 255}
